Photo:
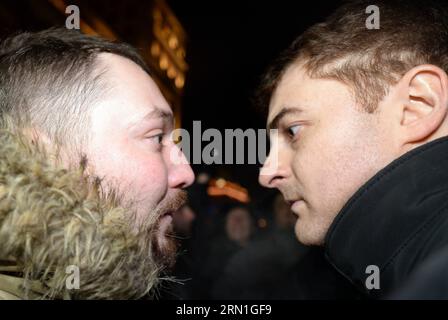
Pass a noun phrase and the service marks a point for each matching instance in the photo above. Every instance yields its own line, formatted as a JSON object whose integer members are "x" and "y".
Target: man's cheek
{"x": 152, "y": 180}
{"x": 319, "y": 176}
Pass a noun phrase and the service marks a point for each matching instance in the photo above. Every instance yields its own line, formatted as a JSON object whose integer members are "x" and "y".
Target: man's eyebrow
{"x": 283, "y": 112}
{"x": 158, "y": 113}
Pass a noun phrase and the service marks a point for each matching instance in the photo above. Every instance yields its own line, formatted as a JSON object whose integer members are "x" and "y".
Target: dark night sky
{"x": 230, "y": 45}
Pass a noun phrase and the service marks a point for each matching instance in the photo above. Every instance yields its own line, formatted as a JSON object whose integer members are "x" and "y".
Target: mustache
{"x": 170, "y": 204}
{"x": 174, "y": 202}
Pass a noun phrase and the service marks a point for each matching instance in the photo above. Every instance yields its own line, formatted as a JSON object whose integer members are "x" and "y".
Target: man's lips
{"x": 167, "y": 213}
{"x": 166, "y": 218}
{"x": 292, "y": 201}
{"x": 170, "y": 211}
{"x": 164, "y": 227}
{"x": 294, "y": 204}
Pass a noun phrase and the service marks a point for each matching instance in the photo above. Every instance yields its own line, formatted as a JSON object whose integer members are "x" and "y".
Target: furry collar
{"x": 52, "y": 218}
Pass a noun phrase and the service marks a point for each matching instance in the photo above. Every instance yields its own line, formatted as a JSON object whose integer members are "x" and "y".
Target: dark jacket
{"x": 429, "y": 282}
{"x": 395, "y": 221}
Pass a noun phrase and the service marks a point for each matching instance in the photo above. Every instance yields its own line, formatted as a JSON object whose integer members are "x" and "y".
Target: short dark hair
{"x": 48, "y": 79}
{"x": 367, "y": 60}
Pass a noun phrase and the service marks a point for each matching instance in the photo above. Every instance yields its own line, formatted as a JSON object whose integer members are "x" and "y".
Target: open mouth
{"x": 165, "y": 227}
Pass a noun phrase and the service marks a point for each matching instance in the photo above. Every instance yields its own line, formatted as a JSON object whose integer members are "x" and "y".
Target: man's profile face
{"x": 130, "y": 148}
{"x": 327, "y": 147}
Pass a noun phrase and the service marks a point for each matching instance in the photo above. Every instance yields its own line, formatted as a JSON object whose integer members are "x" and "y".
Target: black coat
{"x": 396, "y": 221}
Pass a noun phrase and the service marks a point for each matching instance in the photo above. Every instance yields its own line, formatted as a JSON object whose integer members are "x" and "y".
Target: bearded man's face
{"x": 131, "y": 150}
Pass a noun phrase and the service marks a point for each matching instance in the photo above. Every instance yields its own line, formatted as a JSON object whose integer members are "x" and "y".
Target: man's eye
{"x": 293, "y": 130}
{"x": 158, "y": 138}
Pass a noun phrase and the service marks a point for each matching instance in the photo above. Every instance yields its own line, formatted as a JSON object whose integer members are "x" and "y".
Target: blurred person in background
{"x": 275, "y": 266}
{"x": 183, "y": 221}
{"x": 233, "y": 232}
{"x": 239, "y": 226}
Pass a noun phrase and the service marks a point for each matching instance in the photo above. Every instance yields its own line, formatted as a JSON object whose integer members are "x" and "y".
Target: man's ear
{"x": 425, "y": 103}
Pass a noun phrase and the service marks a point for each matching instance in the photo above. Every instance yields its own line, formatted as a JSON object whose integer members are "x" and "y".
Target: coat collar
{"x": 390, "y": 210}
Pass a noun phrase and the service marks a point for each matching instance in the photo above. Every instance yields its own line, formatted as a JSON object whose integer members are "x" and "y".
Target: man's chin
{"x": 309, "y": 234}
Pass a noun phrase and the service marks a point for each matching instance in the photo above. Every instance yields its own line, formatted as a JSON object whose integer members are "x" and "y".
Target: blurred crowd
{"x": 232, "y": 250}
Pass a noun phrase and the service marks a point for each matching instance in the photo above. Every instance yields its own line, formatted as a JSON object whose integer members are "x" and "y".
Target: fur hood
{"x": 52, "y": 219}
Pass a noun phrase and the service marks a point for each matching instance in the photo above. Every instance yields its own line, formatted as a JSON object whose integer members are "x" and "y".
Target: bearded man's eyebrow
{"x": 158, "y": 113}
{"x": 285, "y": 111}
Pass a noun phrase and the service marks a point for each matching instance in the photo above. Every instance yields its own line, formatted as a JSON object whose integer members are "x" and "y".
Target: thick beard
{"x": 162, "y": 254}
{"x": 147, "y": 231}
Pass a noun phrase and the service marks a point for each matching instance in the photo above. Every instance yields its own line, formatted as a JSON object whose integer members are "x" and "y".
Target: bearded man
{"x": 89, "y": 175}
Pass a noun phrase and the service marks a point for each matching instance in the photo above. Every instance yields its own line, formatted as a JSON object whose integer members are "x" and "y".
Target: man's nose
{"x": 272, "y": 173}
{"x": 180, "y": 175}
